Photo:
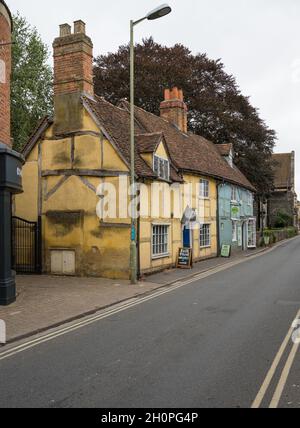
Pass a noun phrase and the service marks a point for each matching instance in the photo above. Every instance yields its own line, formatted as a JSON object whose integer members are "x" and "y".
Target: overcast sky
{"x": 258, "y": 41}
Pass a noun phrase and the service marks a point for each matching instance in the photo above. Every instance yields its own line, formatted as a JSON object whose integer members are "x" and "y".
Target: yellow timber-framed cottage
{"x": 76, "y": 177}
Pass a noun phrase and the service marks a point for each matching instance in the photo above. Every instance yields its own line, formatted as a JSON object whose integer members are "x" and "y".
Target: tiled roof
{"x": 225, "y": 149}
{"x": 115, "y": 121}
{"x": 148, "y": 143}
{"x": 283, "y": 170}
{"x": 190, "y": 152}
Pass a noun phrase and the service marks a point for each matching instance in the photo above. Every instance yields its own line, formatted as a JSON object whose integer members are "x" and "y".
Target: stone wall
{"x": 281, "y": 202}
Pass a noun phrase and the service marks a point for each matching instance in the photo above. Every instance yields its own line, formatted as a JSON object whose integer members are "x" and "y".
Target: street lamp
{"x": 157, "y": 13}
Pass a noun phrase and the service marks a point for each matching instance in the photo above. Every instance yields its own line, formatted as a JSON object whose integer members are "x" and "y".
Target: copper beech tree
{"x": 217, "y": 108}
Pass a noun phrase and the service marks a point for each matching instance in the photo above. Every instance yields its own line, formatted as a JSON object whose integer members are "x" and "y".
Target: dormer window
{"x": 161, "y": 167}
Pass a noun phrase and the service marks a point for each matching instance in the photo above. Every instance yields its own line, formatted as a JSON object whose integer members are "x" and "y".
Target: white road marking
{"x": 123, "y": 307}
{"x": 284, "y": 377}
{"x": 117, "y": 309}
{"x": 265, "y": 386}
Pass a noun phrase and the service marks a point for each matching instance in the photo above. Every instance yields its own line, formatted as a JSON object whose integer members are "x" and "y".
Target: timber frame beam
{"x": 83, "y": 173}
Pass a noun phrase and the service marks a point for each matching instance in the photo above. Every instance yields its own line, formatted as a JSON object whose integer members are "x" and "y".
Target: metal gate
{"x": 25, "y": 246}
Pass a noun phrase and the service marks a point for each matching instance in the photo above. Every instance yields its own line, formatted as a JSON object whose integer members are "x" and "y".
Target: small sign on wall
{"x": 185, "y": 258}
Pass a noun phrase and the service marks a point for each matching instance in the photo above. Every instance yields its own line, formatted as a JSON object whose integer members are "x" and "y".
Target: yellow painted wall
{"x": 111, "y": 160}
{"x": 209, "y": 207}
{"x": 161, "y": 151}
{"x": 26, "y": 204}
{"x": 150, "y": 264}
{"x": 87, "y": 153}
{"x": 69, "y": 219}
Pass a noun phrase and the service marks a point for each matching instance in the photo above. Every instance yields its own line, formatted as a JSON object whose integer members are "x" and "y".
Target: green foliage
{"x": 31, "y": 88}
{"x": 292, "y": 231}
{"x": 280, "y": 234}
{"x": 282, "y": 220}
{"x": 217, "y": 109}
{"x": 268, "y": 233}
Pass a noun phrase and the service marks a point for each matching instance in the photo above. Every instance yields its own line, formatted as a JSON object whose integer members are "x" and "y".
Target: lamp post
{"x": 157, "y": 13}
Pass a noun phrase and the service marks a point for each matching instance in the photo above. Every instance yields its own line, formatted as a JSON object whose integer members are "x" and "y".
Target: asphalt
{"x": 207, "y": 344}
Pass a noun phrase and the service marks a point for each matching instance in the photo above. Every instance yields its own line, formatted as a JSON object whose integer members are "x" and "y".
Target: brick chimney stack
{"x": 5, "y": 72}
{"x": 73, "y": 75}
{"x": 174, "y": 109}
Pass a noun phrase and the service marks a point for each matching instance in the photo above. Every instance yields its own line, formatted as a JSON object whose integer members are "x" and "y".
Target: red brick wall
{"x": 5, "y": 55}
{"x": 174, "y": 109}
{"x": 73, "y": 64}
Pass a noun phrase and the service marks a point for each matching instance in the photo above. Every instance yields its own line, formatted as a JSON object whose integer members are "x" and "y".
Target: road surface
{"x": 221, "y": 341}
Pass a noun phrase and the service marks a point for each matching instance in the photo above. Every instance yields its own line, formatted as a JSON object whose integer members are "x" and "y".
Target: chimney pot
{"x": 174, "y": 109}
{"x": 64, "y": 30}
{"x": 174, "y": 93}
{"x": 79, "y": 27}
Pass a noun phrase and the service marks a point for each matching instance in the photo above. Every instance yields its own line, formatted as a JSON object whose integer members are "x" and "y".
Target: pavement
{"x": 221, "y": 339}
{"x": 45, "y": 302}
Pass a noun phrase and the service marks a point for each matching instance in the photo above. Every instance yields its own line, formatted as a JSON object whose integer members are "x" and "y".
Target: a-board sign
{"x": 185, "y": 258}
{"x": 226, "y": 251}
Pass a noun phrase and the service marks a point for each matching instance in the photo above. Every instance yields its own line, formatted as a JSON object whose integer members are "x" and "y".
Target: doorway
{"x": 187, "y": 237}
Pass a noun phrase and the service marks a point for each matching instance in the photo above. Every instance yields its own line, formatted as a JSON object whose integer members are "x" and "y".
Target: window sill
{"x": 161, "y": 256}
{"x": 205, "y": 248}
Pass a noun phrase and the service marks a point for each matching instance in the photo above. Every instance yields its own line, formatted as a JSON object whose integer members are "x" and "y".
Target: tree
{"x": 31, "y": 86}
{"x": 217, "y": 109}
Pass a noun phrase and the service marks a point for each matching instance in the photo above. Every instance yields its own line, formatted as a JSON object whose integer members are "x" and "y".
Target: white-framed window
{"x": 204, "y": 189}
{"x": 205, "y": 235}
{"x": 250, "y": 198}
{"x": 234, "y": 231}
{"x": 160, "y": 240}
{"x": 161, "y": 167}
{"x": 251, "y": 233}
{"x": 234, "y": 194}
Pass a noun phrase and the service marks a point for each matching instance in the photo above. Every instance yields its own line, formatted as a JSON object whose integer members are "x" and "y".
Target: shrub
{"x": 292, "y": 231}
{"x": 282, "y": 220}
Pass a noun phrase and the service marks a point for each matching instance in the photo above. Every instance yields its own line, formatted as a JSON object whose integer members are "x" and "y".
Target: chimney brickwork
{"x": 174, "y": 109}
{"x": 73, "y": 76}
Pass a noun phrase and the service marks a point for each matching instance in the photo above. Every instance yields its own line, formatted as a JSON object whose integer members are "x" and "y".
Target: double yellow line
{"x": 284, "y": 375}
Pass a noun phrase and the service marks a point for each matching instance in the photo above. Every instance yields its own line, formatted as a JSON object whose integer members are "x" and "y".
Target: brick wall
{"x": 174, "y": 109}
{"x": 5, "y": 71}
{"x": 73, "y": 61}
